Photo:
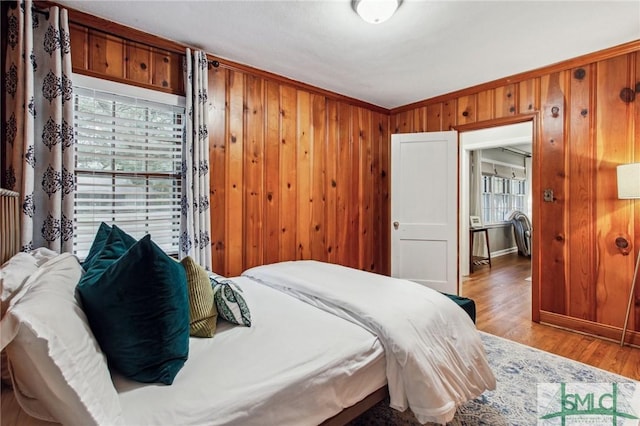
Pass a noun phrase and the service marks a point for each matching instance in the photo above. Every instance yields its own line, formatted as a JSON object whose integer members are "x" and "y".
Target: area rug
{"x": 518, "y": 370}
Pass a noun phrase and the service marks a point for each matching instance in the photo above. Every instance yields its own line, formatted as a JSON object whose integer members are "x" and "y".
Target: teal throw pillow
{"x": 138, "y": 310}
{"x": 101, "y": 239}
{"x": 115, "y": 245}
{"x": 98, "y": 243}
{"x": 229, "y": 301}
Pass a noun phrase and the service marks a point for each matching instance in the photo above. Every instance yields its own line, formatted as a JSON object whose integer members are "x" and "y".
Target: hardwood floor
{"x": 503, "y": 304}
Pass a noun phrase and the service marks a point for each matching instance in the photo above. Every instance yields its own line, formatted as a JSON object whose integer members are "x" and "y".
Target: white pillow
{"x": 58, "y": 370}
{"x": 13, "y": 274}
{"x": 43, "y": 255}
{"x": 16, "y": 270}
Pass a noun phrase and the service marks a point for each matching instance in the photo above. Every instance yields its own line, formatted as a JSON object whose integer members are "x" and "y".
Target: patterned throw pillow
{"x": 229, "y": 301}
{"x": 202, "y": 310}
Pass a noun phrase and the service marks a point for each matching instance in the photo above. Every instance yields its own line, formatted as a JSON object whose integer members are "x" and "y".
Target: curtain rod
{"x": 516, "y": 151}
{"x": 502, "y": 163}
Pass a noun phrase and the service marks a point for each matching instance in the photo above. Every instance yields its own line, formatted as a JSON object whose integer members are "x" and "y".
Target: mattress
{"x": 295, "y": 365}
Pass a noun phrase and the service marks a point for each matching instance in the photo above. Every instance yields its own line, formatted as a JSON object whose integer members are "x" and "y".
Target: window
{"x": 128, "y": 162}
{"x": 500, "y": 196}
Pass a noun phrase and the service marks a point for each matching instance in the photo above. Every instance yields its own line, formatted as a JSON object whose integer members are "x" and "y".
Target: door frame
{"x": 533, "y": 117}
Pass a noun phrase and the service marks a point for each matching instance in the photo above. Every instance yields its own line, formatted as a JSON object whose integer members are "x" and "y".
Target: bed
{"x": 319, "y": 351}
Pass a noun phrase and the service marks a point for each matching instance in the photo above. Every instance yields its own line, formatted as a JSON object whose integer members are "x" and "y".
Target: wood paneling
{"x": 615, "y": 145}
{"x": 271, "y": 172}
{"x": 79, "y": 37}
{"x": 288, "y": 168}
{"x": 301, "y": 177}
{"x": 434, "y": 117}
{"x": 467, "y": 111}
{"x": 217, "y": 159}
{"x": 505, "y": 101}
{"x": 420, "y": 119}
{"x": 529, "y": 96}
{"x": 103, "y": 55}
{"x": 304, "y": 167}
{"x": 344, "y": 187}
{"x": 167, "y": 70}
{"x": 317, "y": 198}
{"x": 138, "y": 64}
{"x": 365, "y": 196}
{"x": 635, "y": 314}
{"x": 331, "y": 180}
{"x": 253, "y": 173}
{"x": 106, "y": 54}
{"x": 584, "y": 131}
{"x": 552, "y": 149}
{"x": 234, "y": 176}
{"x": 355, "y": 179}
{"x": 449, "y": 115}
{"x": 581, "y": 195}
{"x": 485, "y": 101}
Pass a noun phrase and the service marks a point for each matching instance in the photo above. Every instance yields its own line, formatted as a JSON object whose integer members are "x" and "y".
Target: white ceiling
{"x": 426, "y": 49}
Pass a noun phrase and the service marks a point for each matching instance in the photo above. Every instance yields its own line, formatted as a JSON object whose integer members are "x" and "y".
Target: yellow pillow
{"x": 202, "y": 311}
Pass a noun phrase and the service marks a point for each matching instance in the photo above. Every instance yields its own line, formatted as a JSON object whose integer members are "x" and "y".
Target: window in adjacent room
{"x": 128, "y": 162}
{"x": 501, "y": 196}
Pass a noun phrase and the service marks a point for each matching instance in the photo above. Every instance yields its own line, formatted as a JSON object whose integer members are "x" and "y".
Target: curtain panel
{"x": 195, "y": 220}
{"x": 475, "y": 200}
{"x": 39, "y": 125}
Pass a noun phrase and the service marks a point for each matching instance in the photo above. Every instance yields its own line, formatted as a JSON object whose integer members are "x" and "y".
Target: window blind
{"x": 128, "y": 162}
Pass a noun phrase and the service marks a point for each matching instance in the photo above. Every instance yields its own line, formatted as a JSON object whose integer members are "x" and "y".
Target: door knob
{"x": 396, "y": 225}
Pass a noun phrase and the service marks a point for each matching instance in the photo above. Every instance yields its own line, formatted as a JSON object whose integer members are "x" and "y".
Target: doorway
{"x": 516, "y": 138}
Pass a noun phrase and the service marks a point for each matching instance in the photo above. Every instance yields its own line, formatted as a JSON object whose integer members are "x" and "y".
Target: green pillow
{"x": 98, "y": 243}
{"x": 138, "y": 310}
{"x": 115, "y": 245}
{"x": 101, "y": 239}
{"x": 202, "y": 311}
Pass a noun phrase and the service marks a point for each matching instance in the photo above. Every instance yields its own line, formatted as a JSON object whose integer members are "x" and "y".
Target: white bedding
{"x": 435, "y": 358}
{"x": 295, "y": 365}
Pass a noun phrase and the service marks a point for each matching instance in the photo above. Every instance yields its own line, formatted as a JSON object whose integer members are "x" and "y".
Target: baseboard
{"x": 504, "y": 252}
{"x": 590, "y": 328}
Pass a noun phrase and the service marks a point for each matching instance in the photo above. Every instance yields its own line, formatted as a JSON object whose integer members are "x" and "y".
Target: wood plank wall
{"x": 584, "y": 131}
{"x": 296, "y": 173}
{"x": 103, "y": 55}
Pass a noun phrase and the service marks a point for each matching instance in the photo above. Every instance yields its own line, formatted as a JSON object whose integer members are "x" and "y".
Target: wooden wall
{"x": 296, "y": 172}
{"x": 100, "y": 54}
{"x": 297, "y": 176}
{"x": 584, "y": 130}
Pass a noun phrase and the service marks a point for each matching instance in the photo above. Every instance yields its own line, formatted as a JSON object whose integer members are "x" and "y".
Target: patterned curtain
{"x": 475, "y": 200}
{"x": 195, "y": 220}
{"x": 39, "y": 125}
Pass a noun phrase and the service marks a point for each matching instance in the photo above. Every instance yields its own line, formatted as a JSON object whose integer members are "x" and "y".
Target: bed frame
{"x": 350, "y": 413}
{"x": 9, "y": 245}
{"x": 9, "y": 224}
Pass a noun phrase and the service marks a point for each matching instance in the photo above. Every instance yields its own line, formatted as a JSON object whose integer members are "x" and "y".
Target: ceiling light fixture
{"x": 375, "y": 11}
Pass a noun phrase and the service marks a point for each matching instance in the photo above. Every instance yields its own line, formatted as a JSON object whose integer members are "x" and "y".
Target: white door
{"x": 424, "y": 209}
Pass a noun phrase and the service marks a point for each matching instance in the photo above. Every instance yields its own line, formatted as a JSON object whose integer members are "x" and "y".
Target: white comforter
{"x": 435, "y": 358}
